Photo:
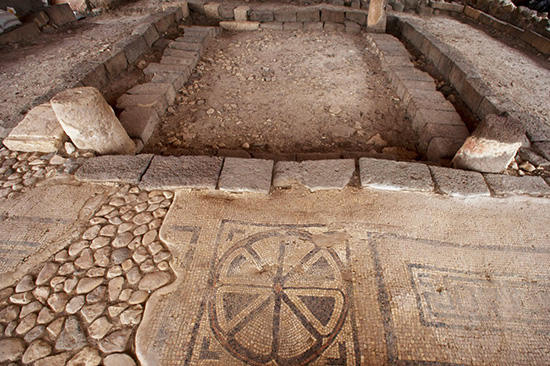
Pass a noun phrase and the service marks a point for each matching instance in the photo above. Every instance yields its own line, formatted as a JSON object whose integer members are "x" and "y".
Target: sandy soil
{"x": 286, "y": 92}
{"x": 510, "y": 72}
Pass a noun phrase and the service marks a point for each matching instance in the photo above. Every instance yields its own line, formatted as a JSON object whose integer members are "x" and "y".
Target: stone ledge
{"x": 246, "y": 175}
{"x": 170, "y": 172}
{"x": 395, "y": 175}
{"x": 314, "y": 175}
{"x": 114, "y": 168}
{"x": 505, "y": 185}
{"x": 459, "y": 183}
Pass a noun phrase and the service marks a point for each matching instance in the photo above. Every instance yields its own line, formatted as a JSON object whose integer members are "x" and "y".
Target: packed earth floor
{"x": 287, "y": 92}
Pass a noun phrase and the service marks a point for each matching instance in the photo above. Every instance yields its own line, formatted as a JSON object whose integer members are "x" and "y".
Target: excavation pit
{"x": 282, "y": 93}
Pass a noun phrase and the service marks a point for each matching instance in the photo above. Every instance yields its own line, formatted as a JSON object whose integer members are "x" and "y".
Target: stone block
{"x": 460, "y": 71}
{"x": 272, "y": 26}
{"x": 194, "y": 38}
{"x": 431, "y": 116}
{"x": 443, "y": 148}
{"x": 115, "y": 65}
{"x": 489, "y": 105}
{"x": 197, "y": 5}
{"x": 359, "y": 17}
{"x": 457, "y": 8}
{"x": 240, "y": 26}
{"x": 492, "y": 146}
{"x": 212, "y": 11}
{"x": 409, "y": 88}
{"x": 314, "y": 175}
{"x": 170, "y": 172}
{"x": 308, "y": 15}
{"x": 285, "y": 15}
{"x": 352, "y": 27}
{"x": 133, "y": 47}
{"x": 22, "y": 33}
{"x": 90, "y": 122}
{"x": 333, "y": 16}
{"x": 148, "y": 32}
{"x": 38, "y": 131}
{"x": 164, "y": 21}
{"x": 262, "y": 15}
{"x": 241, "y": 13}
{"x": 60, "y": 14}
{"x": 165, "y": 89}
{"x": 473, "y": 92}
{"x": 40, "y": 18}
{"x": 97, "y": 78}
{"x": 168, "y": 60}
{"x": 154, "y": 68}
{"x": 139, "y": 122}
{"x": 542, "y": 148}
{"x": 472, "y": 13}
{"x": 334, "y": 27}
{"x": 505, "y": 185}
{"x": 190, "y": 55}
{"x": 431, "y": 131}
{"x": 177, "y": 80}
{"x": 246, "y": 175}
{"x": 428, "y": 100}
{"x": 177, "y": 10}
{"x": 395, "y": 175}
{"x": 313, "y": 26}
{"x": 157, "y": 102}
{"x": 459, "y": 183}
{"x": 188, "y": 46}
{"x": 114, "y": 168}
{"x": 293, "y": 25}
{"x": 376, "y": 20}
{"x": 533, "y": 158}
{"x": 227, "y": 12}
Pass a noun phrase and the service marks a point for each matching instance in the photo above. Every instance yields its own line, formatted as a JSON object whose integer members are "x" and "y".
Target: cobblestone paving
{"x": 21, "y": 171}
{"x": 351, "y": 278}
{"x": 83, "y": 305}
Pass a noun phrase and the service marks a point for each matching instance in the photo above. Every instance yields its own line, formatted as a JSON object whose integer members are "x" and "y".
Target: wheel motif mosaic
{"x": 278, "y": 298}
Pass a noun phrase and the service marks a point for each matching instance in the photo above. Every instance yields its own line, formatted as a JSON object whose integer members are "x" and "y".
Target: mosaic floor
{"x": 351, "y": 279}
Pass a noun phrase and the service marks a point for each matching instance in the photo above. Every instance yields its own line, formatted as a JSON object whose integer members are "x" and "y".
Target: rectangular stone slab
{"x": 114, "y": 168}
{"x": 395, "y": 175}
{"x": 503, "y": 185}
{"x": 170, "y": 172}
{"x": 316, "y": 175}
{"x": 246, "y": 175}
{"x": 459, "y": 183}
{"x": 38, "y": 131}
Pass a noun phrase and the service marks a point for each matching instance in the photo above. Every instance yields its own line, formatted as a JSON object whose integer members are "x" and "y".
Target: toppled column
{"x": 90, "y": 122}
{"x": 376, "y": 21}
{"x": 492, "y": 146}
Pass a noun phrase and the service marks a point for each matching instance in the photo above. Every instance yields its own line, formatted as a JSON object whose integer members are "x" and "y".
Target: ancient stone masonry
{"x": 83, "y": 305}
{"x": 437, "y": 123}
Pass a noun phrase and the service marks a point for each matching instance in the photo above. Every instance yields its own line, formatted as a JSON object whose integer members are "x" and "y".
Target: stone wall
{"x": 521, "y": 17}
{"x": 23, "y": 7}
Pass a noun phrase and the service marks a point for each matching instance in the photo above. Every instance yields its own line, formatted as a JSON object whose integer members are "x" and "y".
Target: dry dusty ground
{"x": 509, "y": 71}
{"x": 286, "y": 92}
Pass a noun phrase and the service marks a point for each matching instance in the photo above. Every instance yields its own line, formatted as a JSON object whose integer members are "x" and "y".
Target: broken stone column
{"x": 376, "y": 21}
{"x": 90, "y": 122}
{"x": 492, "y": 146}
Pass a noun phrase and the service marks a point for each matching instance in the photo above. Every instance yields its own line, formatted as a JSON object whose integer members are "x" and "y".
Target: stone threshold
{"x": 155, "y": 172}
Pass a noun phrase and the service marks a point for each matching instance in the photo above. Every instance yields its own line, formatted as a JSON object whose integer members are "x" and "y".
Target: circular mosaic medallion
{"x": 277, "y": 296}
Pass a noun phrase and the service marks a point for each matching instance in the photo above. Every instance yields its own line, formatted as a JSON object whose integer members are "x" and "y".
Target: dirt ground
{"x": 512, "y": 73}
{"x": 286, "y": 92}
